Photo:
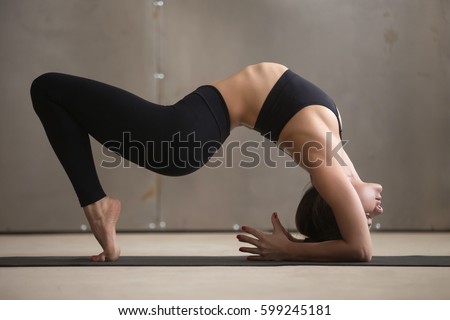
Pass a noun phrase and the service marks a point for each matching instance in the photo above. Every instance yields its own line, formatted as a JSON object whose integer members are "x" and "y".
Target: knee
{"x": 40, "y": 88}
{"x": 40, "y": 84}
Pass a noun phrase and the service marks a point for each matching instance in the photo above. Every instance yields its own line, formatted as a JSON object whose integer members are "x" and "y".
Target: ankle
{"x": 98, "y": 208}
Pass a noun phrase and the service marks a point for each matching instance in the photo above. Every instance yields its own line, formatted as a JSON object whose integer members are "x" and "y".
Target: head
{"x": 315, "y": 218}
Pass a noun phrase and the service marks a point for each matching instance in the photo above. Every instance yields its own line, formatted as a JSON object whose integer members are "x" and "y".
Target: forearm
{"x": 280, "y": 245}
{"x": 335, "y": 250}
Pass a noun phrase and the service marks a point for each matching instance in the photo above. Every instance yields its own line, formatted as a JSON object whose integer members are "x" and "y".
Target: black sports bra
{"x": 289, "y": 95}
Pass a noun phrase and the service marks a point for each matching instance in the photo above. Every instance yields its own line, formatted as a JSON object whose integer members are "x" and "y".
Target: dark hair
{"x": 315, "y": 218}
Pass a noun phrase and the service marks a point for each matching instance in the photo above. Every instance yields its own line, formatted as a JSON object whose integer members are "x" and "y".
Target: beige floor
{"x": 289, "y": 282}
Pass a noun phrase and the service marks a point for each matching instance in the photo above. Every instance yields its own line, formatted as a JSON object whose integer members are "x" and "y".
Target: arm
{"x": 280, "y": 245}
{"x": 336, "y": 189}
{"x": 334, "y": 185}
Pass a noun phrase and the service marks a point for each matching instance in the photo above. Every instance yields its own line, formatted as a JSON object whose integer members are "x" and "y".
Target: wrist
{"x": 292, "y": 252}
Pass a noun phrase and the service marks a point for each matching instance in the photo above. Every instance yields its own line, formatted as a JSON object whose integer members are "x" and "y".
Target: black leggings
{"x": 170, "y": 140}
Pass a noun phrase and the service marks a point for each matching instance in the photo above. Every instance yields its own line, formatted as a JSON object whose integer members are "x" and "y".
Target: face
{"x": 370, "y": 195}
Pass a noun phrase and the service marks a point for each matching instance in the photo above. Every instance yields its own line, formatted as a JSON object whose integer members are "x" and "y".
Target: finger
{"x": 277, "y": 227}
{"x": 250, "y": 250}
{"x": 247, "y": 239}
{"x": 258, "y": 234}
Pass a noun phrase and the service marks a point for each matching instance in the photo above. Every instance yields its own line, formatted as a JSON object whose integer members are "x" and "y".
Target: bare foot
{"x": 103, "y": 216}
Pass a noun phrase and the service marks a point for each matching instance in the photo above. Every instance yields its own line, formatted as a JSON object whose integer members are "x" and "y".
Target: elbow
{"x": 362, "y": 254}
{"x": 366, "y": 256}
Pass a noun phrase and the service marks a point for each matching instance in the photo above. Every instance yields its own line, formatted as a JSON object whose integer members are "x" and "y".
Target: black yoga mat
{"x": 220, "y": 261}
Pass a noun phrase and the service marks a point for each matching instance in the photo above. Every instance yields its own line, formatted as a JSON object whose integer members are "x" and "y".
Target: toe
{"x": 99, "y": 258}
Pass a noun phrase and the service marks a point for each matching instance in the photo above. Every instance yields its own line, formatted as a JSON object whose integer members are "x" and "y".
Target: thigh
{"x": 164, "y": 139}
{"x": 105, "y": 111}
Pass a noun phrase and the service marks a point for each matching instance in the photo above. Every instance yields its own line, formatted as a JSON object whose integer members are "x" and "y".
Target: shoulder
{"x": 312, "y": 126}
{"x": 313, "y": 122}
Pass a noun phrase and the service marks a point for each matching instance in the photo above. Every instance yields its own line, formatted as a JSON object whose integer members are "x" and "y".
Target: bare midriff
{"x": 245, "y": 91}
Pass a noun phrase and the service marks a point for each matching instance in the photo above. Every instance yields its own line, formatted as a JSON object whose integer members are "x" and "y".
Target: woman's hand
{"x": 268, "y": 246}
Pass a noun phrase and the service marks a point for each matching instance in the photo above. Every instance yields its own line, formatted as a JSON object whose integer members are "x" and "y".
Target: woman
{"x": 335, "y": 214}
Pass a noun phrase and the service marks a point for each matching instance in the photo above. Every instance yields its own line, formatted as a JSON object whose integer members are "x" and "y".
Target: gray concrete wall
{"x": 102, "y": 39}
{"x": 385, "y": 63}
